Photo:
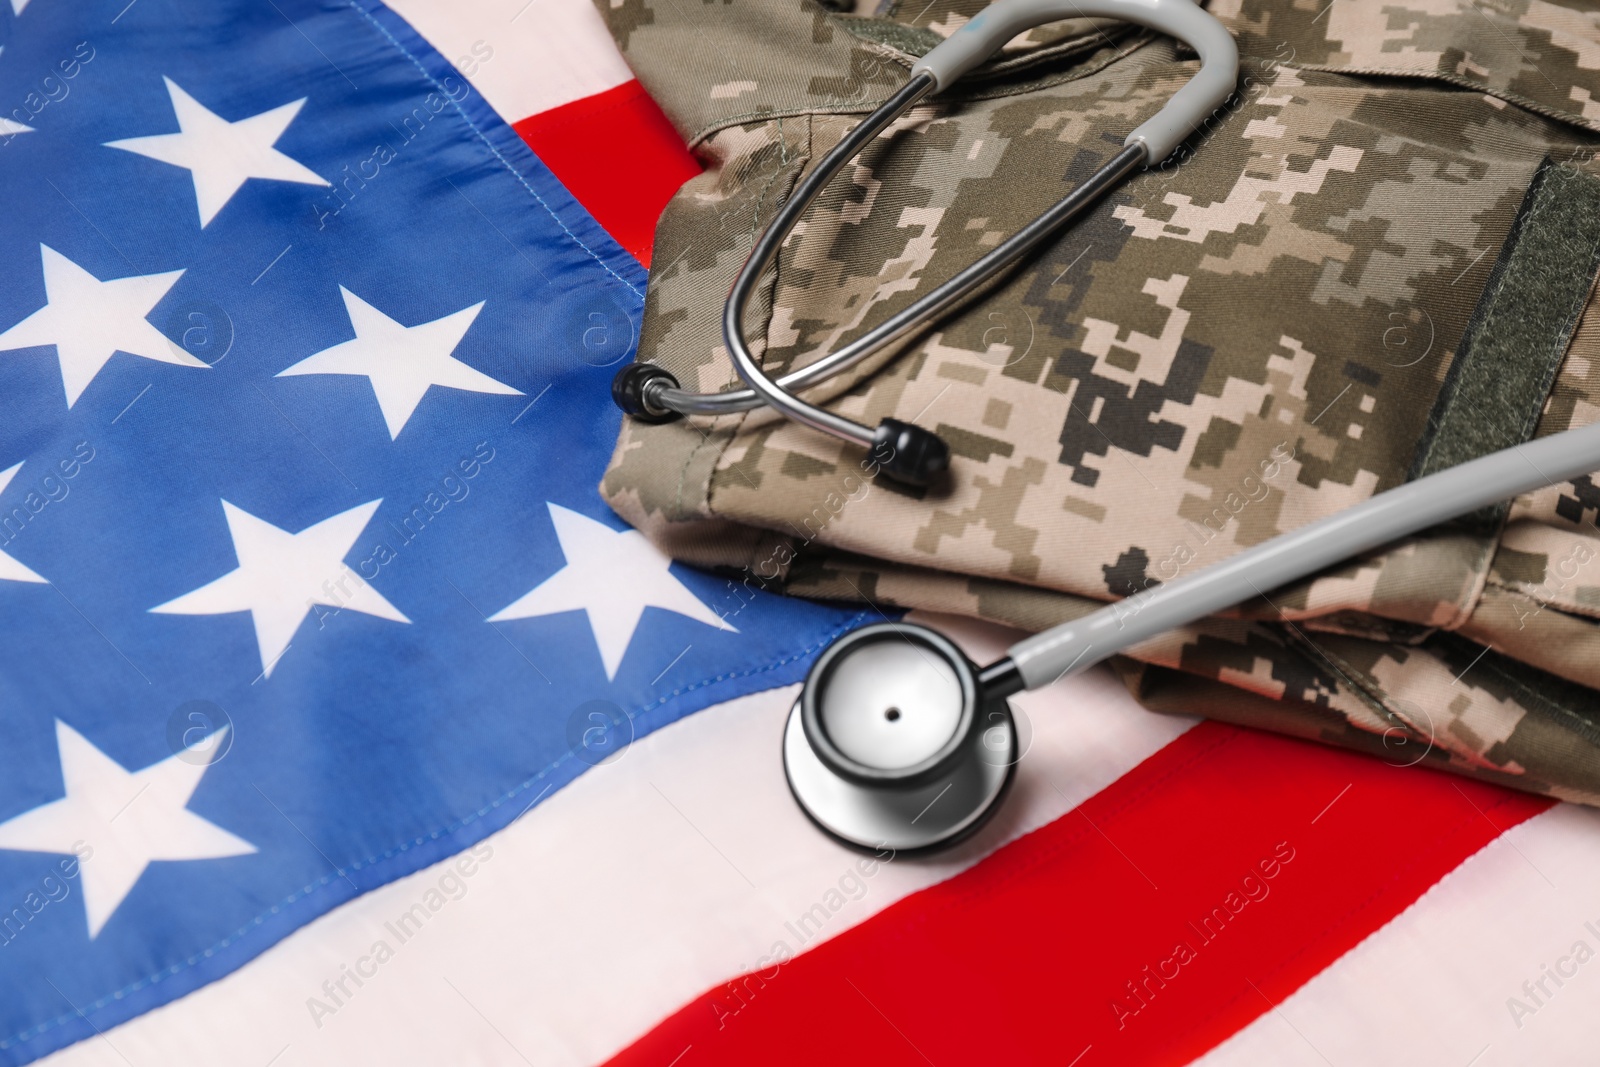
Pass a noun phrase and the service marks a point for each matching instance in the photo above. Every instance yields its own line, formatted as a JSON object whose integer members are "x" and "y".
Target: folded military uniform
{"x": 1375, "y": 262}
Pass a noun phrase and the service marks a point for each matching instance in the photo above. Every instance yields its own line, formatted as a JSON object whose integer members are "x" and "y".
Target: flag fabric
{"x": 551, "y": 70}
{"x": 326, "y": 750}
{"x": 304, "y": 362}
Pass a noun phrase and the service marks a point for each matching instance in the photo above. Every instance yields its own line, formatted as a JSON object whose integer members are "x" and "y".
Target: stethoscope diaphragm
{"x": 892, "y": 744}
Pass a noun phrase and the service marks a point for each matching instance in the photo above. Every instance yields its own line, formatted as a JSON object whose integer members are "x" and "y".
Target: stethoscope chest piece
{"x": 891, "y": 744}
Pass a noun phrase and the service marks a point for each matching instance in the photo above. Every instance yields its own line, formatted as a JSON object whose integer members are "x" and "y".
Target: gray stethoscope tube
{"x": 903, "y": 450}
{"x": 897, "y": 741}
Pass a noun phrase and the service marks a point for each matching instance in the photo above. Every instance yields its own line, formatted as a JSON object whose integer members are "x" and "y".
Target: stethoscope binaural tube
{"x": 904, "y": 450}
{"x": 871, "y": 789}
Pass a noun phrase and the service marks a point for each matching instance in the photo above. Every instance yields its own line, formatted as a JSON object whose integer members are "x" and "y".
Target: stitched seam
{"x": 858, "y": 26}
{"x": 1535, "y": 700}
{"x": 1530, "y": 231}
{"x": 306, "y": 891}
{"x": 1447, "y": 400}
{"x": 381, "y": 28}
{"x": 1470, "y": 596}
{"x": 1023, "y": 866}
{"x": 1077, "y": 74}
{"x": 1526, "y": 103}
{"x": 1530, "y": 421}
{"x": 1378, "y": 892}
{"x": 622, "y": 100}
{"x": 1371, "y": 695}
{"x": 705, "y": 438}
{"x": 1488, "y": 544}
{"x": 1560, "y": 606}
{"x": 743, "y": 416}
{"x": 1491, "y": 301}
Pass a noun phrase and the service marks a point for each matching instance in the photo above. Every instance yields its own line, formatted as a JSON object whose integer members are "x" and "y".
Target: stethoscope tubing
{"x": 767, "y": 247}
{"x": 966, "y": 48}
{"x": 686, "y": 402}
{"x": 1256, "y": 572}
{"x": 924, "y": 309}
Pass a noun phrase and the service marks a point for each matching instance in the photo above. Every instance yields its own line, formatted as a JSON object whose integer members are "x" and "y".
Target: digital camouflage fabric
{"x": 1376, "y": 260}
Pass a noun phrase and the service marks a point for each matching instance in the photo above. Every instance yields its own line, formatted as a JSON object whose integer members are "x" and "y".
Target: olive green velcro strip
{"x": 912, "y": 40}
{"x": 1519, "y": 332}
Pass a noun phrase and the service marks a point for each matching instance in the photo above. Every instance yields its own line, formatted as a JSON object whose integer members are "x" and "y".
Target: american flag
{"x": 346, "y": 725}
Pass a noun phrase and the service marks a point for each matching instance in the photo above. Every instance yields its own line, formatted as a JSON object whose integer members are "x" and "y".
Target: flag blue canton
{"x": 304, "y": 583}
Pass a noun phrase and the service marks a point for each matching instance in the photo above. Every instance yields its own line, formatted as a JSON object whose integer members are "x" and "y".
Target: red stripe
{"x": 618, "y": 155}
{"x": 1032, "y": 956}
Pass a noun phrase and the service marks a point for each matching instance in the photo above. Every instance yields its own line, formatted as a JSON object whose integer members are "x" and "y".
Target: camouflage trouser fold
{"x": 1343, "y": 280}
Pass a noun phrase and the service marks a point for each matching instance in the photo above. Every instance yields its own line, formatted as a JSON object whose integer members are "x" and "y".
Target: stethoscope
{"x": 898, "y": 741}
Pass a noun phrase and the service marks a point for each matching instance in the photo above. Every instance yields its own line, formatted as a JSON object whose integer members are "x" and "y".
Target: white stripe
{"x": 524, "y": 56}
{"x": 617, "y": 900}
{"x": 1439, "y": 983}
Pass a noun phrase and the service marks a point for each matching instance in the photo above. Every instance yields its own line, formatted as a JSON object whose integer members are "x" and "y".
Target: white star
{"x": 613, "y": 575}
{"x": 127, "y": 819}
{"x": 10, "y": 569}
{"x": 401, "y": 362}
{"x": 222, "y": 155}
{"x": 89, "y": 320}
{"x": 281, "y": 576}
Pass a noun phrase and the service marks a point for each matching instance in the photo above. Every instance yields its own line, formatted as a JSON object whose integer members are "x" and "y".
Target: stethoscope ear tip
{"x": 907, "y": 453}
{"x": 634, "y": 388}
